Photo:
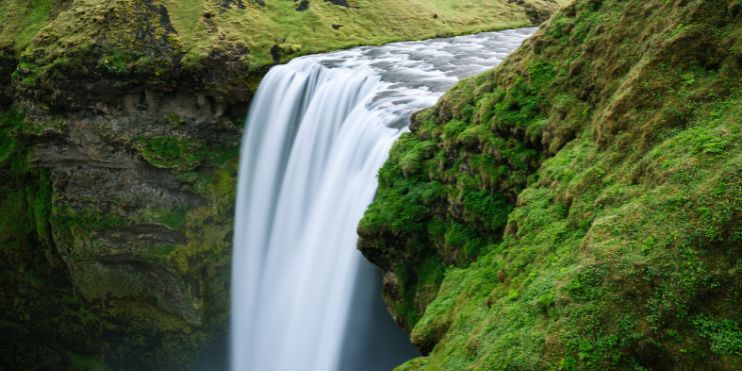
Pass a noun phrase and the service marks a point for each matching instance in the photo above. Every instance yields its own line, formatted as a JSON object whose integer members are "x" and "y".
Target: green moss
{"x": 724, "y": 335}
{"x": 162, "y": 251}
{"x": 86, "y": 363}
{"x": 41, "y": 203}
{"x": 614, "y": 158}
{"x": 173, "y": 218}
{"x": 115, "y": 63}
{"x": 174, "y": 119}
{"x": 14, "y": 203}
{"x": 41, "y": 318}
{"x": 22, "y": 20}
{"x": 11, "y": 124}
{"x": 172, "y": 152}
{"x": 84, "y": 221}
{"x": 521, "y": 106}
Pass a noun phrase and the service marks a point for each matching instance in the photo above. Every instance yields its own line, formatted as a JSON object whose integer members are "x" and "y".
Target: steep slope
{"x": 579, "y": 207}
{"x": 120, "y": 124}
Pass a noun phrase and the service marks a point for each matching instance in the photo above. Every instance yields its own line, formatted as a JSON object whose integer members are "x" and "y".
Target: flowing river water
{"x": 319, "y": 129}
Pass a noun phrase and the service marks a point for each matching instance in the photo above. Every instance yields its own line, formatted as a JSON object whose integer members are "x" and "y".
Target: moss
{"x": 12, "y": 124}
{"x": 162, "y": 251}
{"x": 86, "y": 363}
{"x": 41, "y": 317}
{"x": 115, "y": 62}
{"x": 458, "y": 206}
{"x": 522, "y": 106}
{"x": 91, "y": 313}
{"x": 41, "y": 204}
{"x": 147, "y": 305}
{"x": 22, "y": 20}
{"x": 173, "y": 218}
{"x": 84, "y": 221}
{"x": 174, "y": 119}
{"x": 172, "y": 152}
{"x": 614, "y": 152}
{"x": 724, "y": 335}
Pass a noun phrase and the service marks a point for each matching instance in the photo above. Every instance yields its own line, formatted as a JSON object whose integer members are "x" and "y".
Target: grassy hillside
{"x": 216, "y": 45}
{"x": 579, "y": 207}
{"x": 325, "y": 26}
{"x": 200, "y": 25}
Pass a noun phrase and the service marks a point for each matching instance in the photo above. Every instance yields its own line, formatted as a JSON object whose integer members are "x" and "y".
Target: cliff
{"x": 120, "y": 125}
{"x": 579, "y": 206}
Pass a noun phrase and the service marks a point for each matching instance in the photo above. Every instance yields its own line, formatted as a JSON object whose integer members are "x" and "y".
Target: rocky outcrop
{"x": 339, "y": 2}
{"x": 141, "y": 218}
{"x": 7, "y": 65}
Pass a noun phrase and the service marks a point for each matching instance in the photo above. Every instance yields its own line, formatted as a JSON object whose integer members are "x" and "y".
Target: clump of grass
{"x": 171, "y": 152}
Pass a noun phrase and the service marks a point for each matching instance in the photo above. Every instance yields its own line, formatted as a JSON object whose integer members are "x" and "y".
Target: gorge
{"x": 577, "y": 207}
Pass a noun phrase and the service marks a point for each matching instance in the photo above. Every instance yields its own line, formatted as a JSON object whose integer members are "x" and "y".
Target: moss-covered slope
{"x": 579, "y": 207}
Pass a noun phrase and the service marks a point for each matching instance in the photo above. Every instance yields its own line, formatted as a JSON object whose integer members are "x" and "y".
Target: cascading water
{"x": 320, "y": 127}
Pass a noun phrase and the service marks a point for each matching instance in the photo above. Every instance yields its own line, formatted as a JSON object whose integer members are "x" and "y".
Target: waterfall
{"x": 320, "y": 127}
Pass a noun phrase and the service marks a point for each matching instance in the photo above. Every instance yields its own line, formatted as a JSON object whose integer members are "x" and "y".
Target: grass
{"x": 311, "y": 31}
{"x": 37, "y": 296}
{"x": 59, "y": 44}
{"x": 22, "y": 20}
{"x": 614, "y": 157}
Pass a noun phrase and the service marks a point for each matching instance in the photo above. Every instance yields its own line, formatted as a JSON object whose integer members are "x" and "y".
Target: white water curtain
{"x": 318, "y": 131}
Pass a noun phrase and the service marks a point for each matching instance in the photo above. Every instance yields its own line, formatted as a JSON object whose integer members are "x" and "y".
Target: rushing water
{"x": 320, "y": 127}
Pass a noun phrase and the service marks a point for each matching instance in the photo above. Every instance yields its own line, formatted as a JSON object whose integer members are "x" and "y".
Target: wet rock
{"x": 339, "y": 2}
{"x": 303, "y": 5}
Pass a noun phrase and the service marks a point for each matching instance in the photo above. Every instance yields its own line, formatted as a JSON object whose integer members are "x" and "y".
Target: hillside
{"x": 120, "y": 126}
{"x": 578, "y": 207}
{"x": 221, "y": 47}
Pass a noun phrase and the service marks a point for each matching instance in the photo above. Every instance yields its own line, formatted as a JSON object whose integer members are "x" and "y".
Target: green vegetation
{"x": 217, "y": 46}
{"x": 613, "y": 150}
{"x": 38, "y": 308}
{"x": 170, "y": 152}
{"x": 22, "y": 20}
{"x": 259, "y": 28}
{"x": 99, "y": 311}
{"x": 577, "y": 208}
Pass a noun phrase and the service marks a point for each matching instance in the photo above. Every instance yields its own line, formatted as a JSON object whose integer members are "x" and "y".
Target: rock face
{"x": 579, "y": 206}
{"x": 139, "y": 222}
{"x": 120, "y": 126}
